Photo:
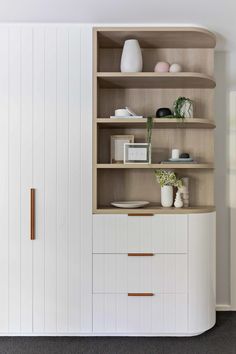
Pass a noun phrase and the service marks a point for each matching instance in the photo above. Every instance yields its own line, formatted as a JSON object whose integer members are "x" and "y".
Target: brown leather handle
{"x": 140, "y": 254}
{"x": 140, "y": 214}
{"x": 32, "y": 214}
{"x": 140, "y": 294}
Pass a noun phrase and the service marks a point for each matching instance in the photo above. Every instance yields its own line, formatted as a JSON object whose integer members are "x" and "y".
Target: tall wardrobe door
{"x": 15, "y": 179}
{"x": 62, "y": 272}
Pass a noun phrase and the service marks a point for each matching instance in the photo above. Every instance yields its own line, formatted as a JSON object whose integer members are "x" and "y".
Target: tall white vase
{"x": 131, "y": 59}
{"x": 167, "y": 196}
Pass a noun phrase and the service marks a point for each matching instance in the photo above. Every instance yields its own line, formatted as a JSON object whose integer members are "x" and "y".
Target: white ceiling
{"x": 218, "y": 16}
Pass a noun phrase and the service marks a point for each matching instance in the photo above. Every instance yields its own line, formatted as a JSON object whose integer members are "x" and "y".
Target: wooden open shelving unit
{"x": 145, "y": 92}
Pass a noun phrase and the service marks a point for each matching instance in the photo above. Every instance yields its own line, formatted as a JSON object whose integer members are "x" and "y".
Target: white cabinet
{"x": 123, "y": 234}
{"x": 45, "y": 143}
{"x": 119, "y": 313}
{"x": 154, "y": 274}
{"x": 121, "y": 273}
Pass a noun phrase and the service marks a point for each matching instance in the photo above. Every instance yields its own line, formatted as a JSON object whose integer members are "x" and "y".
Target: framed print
{"x": 117, "y": 147}
{"x": 137, "y": 153}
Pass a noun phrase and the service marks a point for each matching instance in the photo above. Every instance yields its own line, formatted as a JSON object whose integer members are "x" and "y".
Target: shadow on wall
{"x": 222, "y": 178}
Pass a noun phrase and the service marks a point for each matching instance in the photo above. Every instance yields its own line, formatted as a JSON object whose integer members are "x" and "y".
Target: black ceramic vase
{"x": 163, "y": 112}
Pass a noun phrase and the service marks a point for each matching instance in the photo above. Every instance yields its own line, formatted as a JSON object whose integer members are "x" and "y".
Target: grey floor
{"x": 219, "y": 340}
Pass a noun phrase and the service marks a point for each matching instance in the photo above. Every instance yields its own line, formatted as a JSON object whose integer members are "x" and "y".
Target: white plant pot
{"x": 186, "y": 110}
{"x": 131, "y": 59}
{"x": 167, "y": 196}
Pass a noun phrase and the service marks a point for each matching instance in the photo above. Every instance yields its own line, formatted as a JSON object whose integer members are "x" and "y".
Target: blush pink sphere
{"x": 162, "y": 67}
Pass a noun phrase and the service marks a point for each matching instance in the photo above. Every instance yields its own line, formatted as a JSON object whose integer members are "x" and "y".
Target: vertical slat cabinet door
{"x": 62, "y": 276}
{"x": 26, "y": 177}
{"x": 39, "y": 178}
{"x": 62, "y": 207}
{"x": 15, "y": 179}
{"x": 51, "y": 177}
{"x": 4, "y": 181}
{"x": 14, "y": 169}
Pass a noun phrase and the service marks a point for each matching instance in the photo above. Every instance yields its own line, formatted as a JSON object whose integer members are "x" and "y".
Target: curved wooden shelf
{"x": 160, "y": 123}
{"x": 154, "y": 37}
{"x": 152, "y": 209}
{"x": 155, "y": 80}
{"x": 157, "y": 165}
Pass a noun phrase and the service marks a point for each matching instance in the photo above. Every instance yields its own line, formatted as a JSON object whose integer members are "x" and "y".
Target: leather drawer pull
{"x": 140, "y": 294}
{"x": 140, "y": 254}
{"x": 32, "y": 214}
{"x": 140, "y": 214}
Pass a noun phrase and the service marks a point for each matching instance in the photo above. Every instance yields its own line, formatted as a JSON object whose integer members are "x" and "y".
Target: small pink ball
{"x": 162, "y": 67}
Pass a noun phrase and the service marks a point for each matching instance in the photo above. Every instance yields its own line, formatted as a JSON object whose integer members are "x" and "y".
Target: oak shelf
{"x": 161, "y": 123}
{"x": 154, "y": 209}
{"x": 155, "y": 80}
{"x": 156, "y": 37}
{"x": 156, "y": 165}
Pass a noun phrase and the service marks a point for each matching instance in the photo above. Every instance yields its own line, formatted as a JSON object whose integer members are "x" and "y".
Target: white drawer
{"x": 120, "y": 273}
{"x": 119, "y": 313}
{"x": 123, "y": 233}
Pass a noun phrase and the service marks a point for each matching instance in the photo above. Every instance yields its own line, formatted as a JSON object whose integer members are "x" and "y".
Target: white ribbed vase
{"x": 167, "y": 196}
{"x": 131, "y": 59}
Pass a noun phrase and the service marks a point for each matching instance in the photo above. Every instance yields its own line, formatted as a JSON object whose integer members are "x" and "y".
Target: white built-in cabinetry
{"x": 75, "y": 277}
{"x": 154, "y": 274}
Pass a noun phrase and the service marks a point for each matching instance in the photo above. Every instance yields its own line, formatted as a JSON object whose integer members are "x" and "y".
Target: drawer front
{"x": 123, "y": 233}
{"x": 119, "y": 313}
{"x": 120, "y": 273}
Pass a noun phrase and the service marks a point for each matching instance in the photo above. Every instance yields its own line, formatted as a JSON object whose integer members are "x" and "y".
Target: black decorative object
{"x": 163, "y": 112}
{"x": 184, "y": 155}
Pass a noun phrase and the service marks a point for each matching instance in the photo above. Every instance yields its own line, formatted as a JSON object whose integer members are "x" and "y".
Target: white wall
{"x": 225, "y": 151}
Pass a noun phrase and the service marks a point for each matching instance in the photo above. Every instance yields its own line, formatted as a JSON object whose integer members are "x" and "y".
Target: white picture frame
{"x": 137, "y": 153}
{"x": 117, "y": 147}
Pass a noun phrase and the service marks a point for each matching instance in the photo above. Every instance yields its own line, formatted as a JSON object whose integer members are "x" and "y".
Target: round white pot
{"x": 167, "y": 196}
{"x": 131, "y": 59}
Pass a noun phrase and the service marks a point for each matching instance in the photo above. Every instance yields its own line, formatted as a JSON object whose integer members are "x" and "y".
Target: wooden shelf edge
{"x": 158, "y": 122}
{"x": 155, "y": 210}
{"x": 152, "y": 74}
{"x": 153, "y": 166}
{"x": 155, "y": 80}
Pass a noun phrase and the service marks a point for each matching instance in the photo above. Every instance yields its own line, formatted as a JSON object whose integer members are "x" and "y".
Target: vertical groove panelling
{"x": 52, "y": 224}
{"x": 38, "y": 131}
{"x": 62, "y": 178}
{"x": 26, "y": 179}
{"x": 4, "y": 182}
{"x": 14, "y": 179}
{"x": 75, "y": 205}
{"x": 46, "y": 144}
{"x": 122, "y": 234}
{"x": 86, "y": 178}
{"x": 201, "y": 280}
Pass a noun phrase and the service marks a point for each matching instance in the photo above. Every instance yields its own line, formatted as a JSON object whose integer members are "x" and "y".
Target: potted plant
{"x": 183, "y": 108}
{"x": 167, "y": 180}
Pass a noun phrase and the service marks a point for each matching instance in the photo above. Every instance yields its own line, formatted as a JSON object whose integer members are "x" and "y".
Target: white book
{"x": 124, "y": 117}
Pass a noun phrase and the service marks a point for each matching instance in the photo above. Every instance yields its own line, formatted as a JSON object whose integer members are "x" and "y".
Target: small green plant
{"x": 168, "y": 178}
{"x": 182, "y": 108}
{"x": 149, "y": 129}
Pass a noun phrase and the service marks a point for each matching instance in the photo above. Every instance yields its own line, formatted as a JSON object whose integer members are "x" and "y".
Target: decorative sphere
{"x": 175, "y": 68}
{"x": 162, "y": 67}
